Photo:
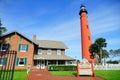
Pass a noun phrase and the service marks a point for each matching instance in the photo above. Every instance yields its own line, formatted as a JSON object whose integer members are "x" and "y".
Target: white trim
{"x": 21, "y": 65}
{"x": 23, "y": 51}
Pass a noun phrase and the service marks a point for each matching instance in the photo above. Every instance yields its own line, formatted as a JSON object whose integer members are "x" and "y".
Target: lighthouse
{"x": 86, "y": 39}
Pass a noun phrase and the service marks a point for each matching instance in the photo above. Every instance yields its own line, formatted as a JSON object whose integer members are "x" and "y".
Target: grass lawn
{"x": 63, "y": 73}
{"x": 107, "y": 74}
{"x": 20, "y": 75}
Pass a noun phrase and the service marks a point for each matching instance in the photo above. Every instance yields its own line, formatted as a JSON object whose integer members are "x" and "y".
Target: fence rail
{"x": 7, "y": 64}
{"x": 107, "y": 67}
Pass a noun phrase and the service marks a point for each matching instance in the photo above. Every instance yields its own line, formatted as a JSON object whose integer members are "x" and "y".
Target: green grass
{"x": 63, "y": 73}
{"x": 106, "y": 74}
{"x": 20, "y": 75}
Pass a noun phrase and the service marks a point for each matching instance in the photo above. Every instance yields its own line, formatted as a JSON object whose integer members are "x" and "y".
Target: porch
{"x": 41, "y": 64}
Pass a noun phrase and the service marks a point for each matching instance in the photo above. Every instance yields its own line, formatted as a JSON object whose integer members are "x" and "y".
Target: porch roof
{"x": 52, "y": 57}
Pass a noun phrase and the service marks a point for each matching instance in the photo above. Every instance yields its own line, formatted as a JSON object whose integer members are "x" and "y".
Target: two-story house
{"x": 34, "y": 53}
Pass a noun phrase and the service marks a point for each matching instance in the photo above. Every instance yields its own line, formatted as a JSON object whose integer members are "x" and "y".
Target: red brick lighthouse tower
{"x": 85, "y": 33}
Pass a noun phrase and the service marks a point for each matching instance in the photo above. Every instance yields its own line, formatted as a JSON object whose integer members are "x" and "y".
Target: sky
{"x": 59, "y": 20}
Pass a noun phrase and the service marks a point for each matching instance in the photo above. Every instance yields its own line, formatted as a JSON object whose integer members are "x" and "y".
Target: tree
{"x": 114, "y": 53}
{"x": 96, "y": 48}
{"x": 2, "y": 29}
{"x": 105, "y": 55}
{"x": 100, "y": 42}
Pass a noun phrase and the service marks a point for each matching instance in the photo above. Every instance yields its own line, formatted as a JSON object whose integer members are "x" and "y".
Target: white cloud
{"x": 104, "y": 19}
{"x": 63, "y": 31}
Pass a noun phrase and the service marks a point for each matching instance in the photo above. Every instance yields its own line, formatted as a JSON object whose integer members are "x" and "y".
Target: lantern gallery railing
{"x": 7, "y": 64}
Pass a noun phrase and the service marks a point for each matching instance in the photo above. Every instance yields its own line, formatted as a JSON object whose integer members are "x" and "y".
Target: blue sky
{"x": 59, "y": 20}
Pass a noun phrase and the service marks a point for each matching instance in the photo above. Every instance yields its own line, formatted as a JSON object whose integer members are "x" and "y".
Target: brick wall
{"x": 14, "y": 42}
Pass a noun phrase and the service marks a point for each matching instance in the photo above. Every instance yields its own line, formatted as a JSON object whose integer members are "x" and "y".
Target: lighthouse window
{"x": 87, "y": 26}
{"x": 88, "y": 37}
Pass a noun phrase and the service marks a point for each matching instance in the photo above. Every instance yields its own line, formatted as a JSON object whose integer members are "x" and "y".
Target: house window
{"x": 39, "y": 51}
{"x": 21, "y": 61}
{"x": 59, "y": 52}
{"x": 1, "y": 61}
{"x": 23, "y": 47}
{"x": 4, "y": 47}
{"x": 49, "y": 51}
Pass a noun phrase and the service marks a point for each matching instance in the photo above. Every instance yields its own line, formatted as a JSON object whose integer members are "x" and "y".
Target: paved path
{"x": 45, "y": 75}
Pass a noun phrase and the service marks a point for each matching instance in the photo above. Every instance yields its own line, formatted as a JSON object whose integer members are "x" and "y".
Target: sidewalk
{"x": 45, "y": 75}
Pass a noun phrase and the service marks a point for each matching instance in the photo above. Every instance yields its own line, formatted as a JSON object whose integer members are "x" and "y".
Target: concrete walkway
{"x": 45, "y": 75}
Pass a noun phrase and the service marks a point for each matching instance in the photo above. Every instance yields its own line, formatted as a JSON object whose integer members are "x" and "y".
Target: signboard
{"x": 84, "y": 68}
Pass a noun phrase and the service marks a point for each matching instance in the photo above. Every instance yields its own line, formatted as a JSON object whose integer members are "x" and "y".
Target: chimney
{"x": 34, "y": 37}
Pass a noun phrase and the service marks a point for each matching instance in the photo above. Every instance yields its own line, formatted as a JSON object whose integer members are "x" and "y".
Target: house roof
{"x": 52, "y": 57}
{"x": 51, "y": 44}
{"x": 41, "y": 43}
{"x": 16, "y": 32}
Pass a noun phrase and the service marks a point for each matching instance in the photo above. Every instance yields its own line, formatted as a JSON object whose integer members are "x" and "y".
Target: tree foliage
{"x": 2, "y": 29}
{"x": 114, "y": 53}
{"x": 105, "y": 54}
{"x": 97, "y": 48}
{"x": 101, "y": 42}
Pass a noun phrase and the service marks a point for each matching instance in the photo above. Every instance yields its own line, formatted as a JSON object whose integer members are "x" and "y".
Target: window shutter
{"x": 7, "y": 46}
{"x": 17, "y": 60}
{"x": 26, "y": 47}
{"x": 4, "y": 61}
{"x": 25, "y": 61}
{"x": 1, "y": 60}
{"x": 19, "y": 47}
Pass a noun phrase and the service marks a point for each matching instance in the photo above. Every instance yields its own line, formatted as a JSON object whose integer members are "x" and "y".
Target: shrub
{"x": 62, "y": 68}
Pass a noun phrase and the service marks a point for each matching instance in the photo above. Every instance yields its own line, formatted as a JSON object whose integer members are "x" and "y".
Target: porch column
{"x": 56, "y": 62}
{"x": 47, "y": 62}
{"x": 66, "y": 62}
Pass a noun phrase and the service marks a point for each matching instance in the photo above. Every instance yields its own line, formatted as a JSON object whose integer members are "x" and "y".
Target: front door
{"x": 41, "y": 64}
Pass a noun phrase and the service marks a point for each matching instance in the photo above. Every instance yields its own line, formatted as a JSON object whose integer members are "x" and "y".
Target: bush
{"x": 112, "y": 62}
{"x": 62, "y": 68}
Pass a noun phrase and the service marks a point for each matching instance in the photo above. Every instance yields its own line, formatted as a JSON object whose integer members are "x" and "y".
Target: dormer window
{"x": 49, "y": 51}
{"x": 59, "y": 52}
{"x": 39, "y": 51}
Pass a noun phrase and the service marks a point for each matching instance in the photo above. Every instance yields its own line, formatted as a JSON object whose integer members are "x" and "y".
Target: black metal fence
{"x": 7, "y": 64}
